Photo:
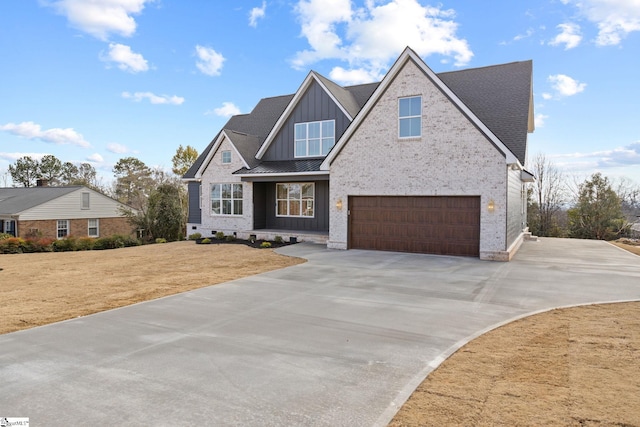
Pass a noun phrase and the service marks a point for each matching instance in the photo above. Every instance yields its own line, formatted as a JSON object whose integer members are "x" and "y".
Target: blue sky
{"x": 98, "y": 80}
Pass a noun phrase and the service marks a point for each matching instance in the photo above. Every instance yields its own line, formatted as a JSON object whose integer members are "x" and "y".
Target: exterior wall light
{"x": 491, "y": 206}
{"x": 339, "y": 204}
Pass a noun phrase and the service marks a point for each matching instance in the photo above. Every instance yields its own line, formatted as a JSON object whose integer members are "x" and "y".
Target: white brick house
{"x": 419, "y": 162}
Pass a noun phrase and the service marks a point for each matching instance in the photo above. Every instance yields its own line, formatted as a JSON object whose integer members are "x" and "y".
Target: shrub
{"x": 42, "y": 244}
{"x": 219, "y": 235}
{"x": 65, "y": 245}
{"x": 85, "y": 243}
{"x": 278, "y": 239}
{"x": 11, "y": 245}
{"x": 195, "y": 236}
{"x": 265, "y": 245}
{"x": 4, "y": 236}
{"x": 161, "y": 240}
{"x": 230, "y": 238}
{"x": 206, "y": 241}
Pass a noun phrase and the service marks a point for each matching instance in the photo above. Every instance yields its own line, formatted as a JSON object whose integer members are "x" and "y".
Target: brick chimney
{"x": 42, "y": 183}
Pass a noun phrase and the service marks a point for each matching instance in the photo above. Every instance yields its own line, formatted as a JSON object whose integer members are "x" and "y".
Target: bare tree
{"x": 549, "y": 195}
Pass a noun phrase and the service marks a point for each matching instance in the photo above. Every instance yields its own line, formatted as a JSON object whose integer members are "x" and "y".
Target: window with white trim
{"x": 314, "y": 139}
{"x": 295, "y": 199}
{"x": 410, "y": 117}
{"x": 226, "y": 199}
{"x": 63, "y": 228}
{"x": 226, "y": 157}
{"x": 93, "y": 227}
{"x": 85, "y": 200}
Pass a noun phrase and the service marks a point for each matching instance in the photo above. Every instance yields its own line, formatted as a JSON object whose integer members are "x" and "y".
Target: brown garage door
{"x": 433, "y": 225}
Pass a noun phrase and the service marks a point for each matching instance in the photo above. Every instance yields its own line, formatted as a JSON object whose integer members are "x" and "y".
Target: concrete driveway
{"x": 339, "y": 341}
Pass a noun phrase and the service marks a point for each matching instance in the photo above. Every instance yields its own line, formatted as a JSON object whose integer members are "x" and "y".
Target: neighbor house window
{"x": 226, "y": 156}
{"x": 226, "y": 199}
{"x": 85, "y": 200}
{"x": 410, "y": 117}
{"x": 93, "y": 228}
{"x": 295, "y": 199}
{"x": 63, "y": 228}
{"x": 314, "y": 138}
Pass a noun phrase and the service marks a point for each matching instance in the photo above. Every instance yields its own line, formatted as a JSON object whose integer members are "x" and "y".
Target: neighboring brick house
{"x": 419, "y": 162}
{"x": 56, "y": 212}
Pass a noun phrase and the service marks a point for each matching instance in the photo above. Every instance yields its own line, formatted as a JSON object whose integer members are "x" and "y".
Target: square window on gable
{"x": 410, "y": 117}
{"x": 226, "y": 157}
{"x": 314, "y": 139}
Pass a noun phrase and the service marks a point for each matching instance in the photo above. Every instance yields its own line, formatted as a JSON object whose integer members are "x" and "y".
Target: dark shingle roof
{"x": 498, "y": 95}
{"x": 258, "y": 124}
{"x": 284, "y": 166}
{"x": 16, "y": 200}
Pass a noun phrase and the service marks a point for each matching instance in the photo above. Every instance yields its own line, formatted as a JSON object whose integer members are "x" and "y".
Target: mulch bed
{"x": 254, "y": 244}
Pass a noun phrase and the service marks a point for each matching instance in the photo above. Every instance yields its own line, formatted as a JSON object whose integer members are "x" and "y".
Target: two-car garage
{"x": 443, "y": 225}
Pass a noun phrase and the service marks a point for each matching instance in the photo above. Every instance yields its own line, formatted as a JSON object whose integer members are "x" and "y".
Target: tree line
{"x": 156, "y": 199}
{"x": 595, "y": 208}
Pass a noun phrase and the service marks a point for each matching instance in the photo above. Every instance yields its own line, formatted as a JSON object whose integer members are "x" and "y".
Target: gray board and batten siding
{"x": 314, "y": 105}
{"x": 195, "y": 213}
{"x": 264, "y": 205}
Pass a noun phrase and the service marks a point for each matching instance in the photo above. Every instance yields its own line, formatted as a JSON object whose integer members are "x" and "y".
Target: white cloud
{"x": 15, "y": 156}
{"x": 153, "y": 98}
{"x": 257, "y": 13}
{"x": 100, "y": 18}
{"x": 95, "y": 158}
{"x": 354, "y": 76}
{"x": 117, "y": 148}
{"x": 539, "y": 120}
{"x": 210, "y": 61}
{"x": 126, "y": 59}
{"x": 369, "y": 38}
{"x": 547, "y": 96}
{"x": 31, "y": 130}
{"x": 615, "y": 19}
{"x": 569, "y": 36}
{"x": 526, "y": 35}
{"x": 228, "y": 109}
{"x": 565, "y": 85}
{"x": 620, "y": 156}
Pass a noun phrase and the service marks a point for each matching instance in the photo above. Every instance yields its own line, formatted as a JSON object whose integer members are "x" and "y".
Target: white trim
{"x": 321, "y": 138}
{"x": 97, "y": 227}
{"x": 283, "y": 174}
{"x": 312, "y": 76}
{"x": 67, "y": 228}
{"x": 214, "y": 149}
{"x": 382, "y": 87}
{"x": 221, "y": 199}
{"x": 419, "y": 116}
{"x": 313, "y": 184}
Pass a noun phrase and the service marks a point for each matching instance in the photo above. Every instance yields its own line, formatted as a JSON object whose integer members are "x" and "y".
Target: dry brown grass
{"x": 41, "y": 288}
{"x": 568, "y": 367}
{"x": 628, "y": 245}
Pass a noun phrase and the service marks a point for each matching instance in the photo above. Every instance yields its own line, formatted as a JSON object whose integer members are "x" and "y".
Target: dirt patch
{"x": 569, "y": 367}
{"x": 41, "y": 288}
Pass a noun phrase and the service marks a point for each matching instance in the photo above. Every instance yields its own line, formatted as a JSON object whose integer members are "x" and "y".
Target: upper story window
{"x": 314, "y": 139}
{"x": 410, "y": 117}
{"x": 85, "y": 200}
{"x": 226, "y": 157}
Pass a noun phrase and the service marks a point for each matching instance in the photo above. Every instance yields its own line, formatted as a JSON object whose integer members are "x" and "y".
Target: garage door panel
{"x": 447, "y": 225}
